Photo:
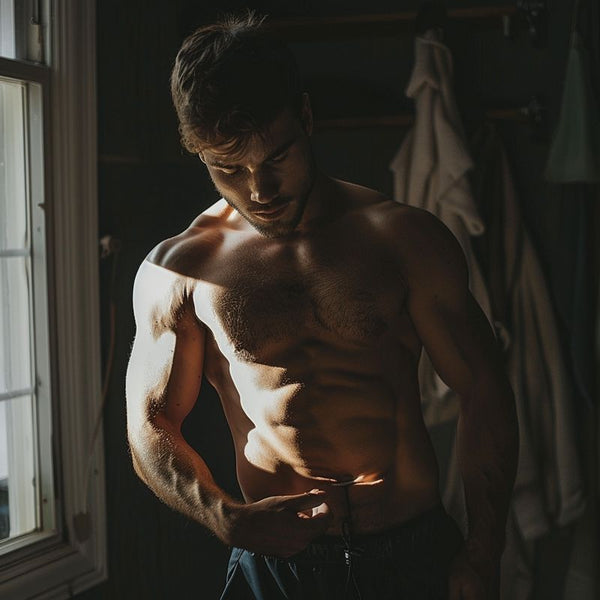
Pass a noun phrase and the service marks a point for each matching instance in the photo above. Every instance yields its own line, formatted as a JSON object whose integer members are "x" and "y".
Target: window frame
{"x": 61, "y": 565}
{"x": 40, "y": 453}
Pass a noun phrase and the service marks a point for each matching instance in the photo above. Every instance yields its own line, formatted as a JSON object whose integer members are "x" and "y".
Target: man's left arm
{"x": 462, "y": 347}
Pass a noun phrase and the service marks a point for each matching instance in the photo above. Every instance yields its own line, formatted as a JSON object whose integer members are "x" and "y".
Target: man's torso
{"x": 314, "y": 356}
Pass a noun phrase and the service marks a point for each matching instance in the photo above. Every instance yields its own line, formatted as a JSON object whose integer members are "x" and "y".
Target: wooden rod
{"x": 364, "y": 122}
{"x": 330, "y": 27}
{"x": 405, "y": 119}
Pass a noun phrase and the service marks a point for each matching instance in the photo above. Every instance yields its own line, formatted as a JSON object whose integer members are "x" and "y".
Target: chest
{"x": 265, "y": 298}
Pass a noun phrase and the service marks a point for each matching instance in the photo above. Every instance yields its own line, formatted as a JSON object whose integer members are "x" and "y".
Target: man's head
{"x": 230, "y": 80}
{"x": 241, "y": 109}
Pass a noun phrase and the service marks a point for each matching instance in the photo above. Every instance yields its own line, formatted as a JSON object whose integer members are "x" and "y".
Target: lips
{"x": 271, "y": 211}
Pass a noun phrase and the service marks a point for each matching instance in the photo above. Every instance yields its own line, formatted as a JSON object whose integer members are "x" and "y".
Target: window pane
{"x": 26, "y": 466}
{"x": 7, "y": 29}
{"x": 23, "y": 27}
{"x": 15, "y": 283}
{"x": 18, "y": 507}
{"x": 13, "y": 181}
{"x": 15, "y": 330}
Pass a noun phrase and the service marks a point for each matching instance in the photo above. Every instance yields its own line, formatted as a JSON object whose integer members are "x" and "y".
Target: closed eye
{"x": 229, "y": 171}
{"x": 278, "y": 158}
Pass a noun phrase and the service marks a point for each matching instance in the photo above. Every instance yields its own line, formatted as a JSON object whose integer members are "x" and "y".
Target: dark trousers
{"x": 407, "y": 562}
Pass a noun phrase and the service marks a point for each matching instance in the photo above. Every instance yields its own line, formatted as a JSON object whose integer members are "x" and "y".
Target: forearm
{"x": 487, "y": 447}
{"x": 180, "y": 478}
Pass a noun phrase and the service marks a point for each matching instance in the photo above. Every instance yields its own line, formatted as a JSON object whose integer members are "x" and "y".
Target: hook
{"x": 536, "y": 113}
{"x": 536, "y": 15}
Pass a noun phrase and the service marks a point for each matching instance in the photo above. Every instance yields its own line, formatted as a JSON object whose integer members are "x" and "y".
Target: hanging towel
{"x": 575, "y": 150}
{"x": 430, "y": 172}
{"x": 549, "y": 488}
{"x": 430, "y": 166}
{"x": 568, "y": 211}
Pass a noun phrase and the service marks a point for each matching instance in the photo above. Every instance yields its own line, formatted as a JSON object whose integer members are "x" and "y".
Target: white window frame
{"x": 65, "y": 563}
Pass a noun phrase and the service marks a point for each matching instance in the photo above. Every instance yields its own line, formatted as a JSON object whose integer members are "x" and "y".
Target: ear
{"x": 306, "y": 116}
{"x": 201, "y": 157}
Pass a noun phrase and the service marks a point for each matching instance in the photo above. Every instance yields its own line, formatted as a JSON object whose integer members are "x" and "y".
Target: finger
{"x": 320, "y": 520}
{"x": 367, "y": 483}
{"x": 322, "y": 509}
{"x": 315, "y": 511}
{"x": 318, "y": 512}
{"x": 358, "y": 482}
{"x": 304, "y": 501}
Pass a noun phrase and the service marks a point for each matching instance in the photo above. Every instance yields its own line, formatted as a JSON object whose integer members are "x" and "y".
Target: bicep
{"x": 449, "y": 322}
{"x": 459, "y": 341}
{"x": 166, "y": 363}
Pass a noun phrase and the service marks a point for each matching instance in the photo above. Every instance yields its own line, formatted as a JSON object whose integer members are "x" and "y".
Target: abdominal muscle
{"x": 297, "y": 437}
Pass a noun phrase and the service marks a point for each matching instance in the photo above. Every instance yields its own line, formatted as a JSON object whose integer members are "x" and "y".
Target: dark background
{"x": 149, "y": 189}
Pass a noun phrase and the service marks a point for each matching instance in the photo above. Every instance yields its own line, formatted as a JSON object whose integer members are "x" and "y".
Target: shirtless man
{"x": 306, "y": 301}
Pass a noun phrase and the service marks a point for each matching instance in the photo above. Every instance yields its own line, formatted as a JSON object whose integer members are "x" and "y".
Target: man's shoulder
{"x": 404, "y": 224}
{"x": 412, "y": 223}
{"x": 187, "y": 251}
{"x": 405, "y": 227}
{"x": 419, "y": 241}
{"x": 170, "y": 272}
{"x": 379, "y": 208}
{"x": 429, "y": 252}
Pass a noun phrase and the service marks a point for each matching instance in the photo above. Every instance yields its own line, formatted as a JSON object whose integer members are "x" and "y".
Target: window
{"x": 52, "y": 524}
{"x": 26, "y": 479}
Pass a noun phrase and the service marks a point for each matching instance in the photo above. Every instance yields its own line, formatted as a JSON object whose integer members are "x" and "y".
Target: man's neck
{"x": 321, "y": 204}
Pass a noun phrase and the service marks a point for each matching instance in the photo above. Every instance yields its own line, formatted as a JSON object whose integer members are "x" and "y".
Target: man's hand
{"x": 467, "y": 581}
{"x": 278, "y": 525}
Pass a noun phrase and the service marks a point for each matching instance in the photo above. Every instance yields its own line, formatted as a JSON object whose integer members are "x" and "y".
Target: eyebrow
{"x": 279, "y": 150}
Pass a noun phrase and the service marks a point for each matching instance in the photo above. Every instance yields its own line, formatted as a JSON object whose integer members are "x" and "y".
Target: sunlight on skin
{"x": 272, "y": 442}
{"x": 360, "y": 481}
{"x": 257, "y": 453}
{"x": 323, "y": 508}
{"x": 245, "y": 380}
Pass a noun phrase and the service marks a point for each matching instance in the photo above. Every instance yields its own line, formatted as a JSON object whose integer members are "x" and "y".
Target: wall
{"x": 150, "y": 190}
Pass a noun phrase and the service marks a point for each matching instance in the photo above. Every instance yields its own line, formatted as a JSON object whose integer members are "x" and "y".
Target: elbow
{"x": 151, "y": 448}
{"x": 490, "y": 407}
{"x": 136, "y": 463}
{"x": 491, "y": 396}
{"x": 141, "y": 441}
{"x": 138, "y": 471}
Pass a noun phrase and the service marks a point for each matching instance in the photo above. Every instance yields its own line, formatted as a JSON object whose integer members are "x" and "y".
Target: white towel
{"x": 430, "y": 172}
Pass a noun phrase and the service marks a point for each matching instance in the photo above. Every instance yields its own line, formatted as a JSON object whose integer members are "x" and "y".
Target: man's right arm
{"x": 163, "y": 382}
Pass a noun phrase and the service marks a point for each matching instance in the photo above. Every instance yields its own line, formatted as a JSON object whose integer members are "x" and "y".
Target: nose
{"x": 264, "y": 188}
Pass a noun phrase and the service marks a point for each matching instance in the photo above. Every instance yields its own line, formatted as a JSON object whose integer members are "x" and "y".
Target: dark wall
{"x": 150, "y": 190}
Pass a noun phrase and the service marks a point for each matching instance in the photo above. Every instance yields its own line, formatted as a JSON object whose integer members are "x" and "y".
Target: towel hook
{"x": 536, "y": 15}
{"x": 536, "y": 113}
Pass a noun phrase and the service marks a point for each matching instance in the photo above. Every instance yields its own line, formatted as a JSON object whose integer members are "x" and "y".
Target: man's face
{"x": 270, "y": 179}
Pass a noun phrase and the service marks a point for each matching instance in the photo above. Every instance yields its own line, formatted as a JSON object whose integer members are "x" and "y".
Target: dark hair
{"x": 230, "y": 80}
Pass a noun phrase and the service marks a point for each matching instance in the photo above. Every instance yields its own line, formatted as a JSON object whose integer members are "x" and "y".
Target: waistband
{"x": 410, "y": 535}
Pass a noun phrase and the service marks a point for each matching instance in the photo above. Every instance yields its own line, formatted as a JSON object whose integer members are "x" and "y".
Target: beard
{"x": 279, "y": 227}
{"x": 287, "y": 223}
